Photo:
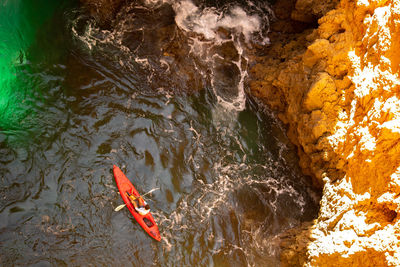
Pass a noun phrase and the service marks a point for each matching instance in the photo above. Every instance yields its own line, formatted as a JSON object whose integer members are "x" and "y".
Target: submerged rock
{"x": 104, "y": 11}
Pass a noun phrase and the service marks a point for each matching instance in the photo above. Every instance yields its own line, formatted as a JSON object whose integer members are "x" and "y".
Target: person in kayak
{"x": 140, "y": 205}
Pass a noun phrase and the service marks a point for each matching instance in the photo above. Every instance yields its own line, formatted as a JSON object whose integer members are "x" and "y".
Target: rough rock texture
{"x": 337, "y": 88}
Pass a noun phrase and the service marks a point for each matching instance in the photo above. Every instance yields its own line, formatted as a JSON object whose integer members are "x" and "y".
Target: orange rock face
{"x": 338, "y": 89}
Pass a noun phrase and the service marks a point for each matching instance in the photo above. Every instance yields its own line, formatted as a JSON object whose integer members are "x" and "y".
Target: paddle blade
{"x": 120, "y": 207}
{"x": 152, "y": 190}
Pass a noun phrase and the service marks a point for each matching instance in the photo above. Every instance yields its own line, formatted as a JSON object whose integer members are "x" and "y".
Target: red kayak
{"x": 125, "y": 187}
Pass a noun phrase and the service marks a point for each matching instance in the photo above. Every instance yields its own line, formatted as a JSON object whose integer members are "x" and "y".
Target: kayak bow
{"x": 146, "y": 221}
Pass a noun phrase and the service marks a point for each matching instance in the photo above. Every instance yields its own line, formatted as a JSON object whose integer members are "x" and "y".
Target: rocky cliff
{"x": 336, "y": 85}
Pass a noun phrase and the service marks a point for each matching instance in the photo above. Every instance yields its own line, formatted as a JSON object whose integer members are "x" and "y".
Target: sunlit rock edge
{"x": 337, "y": 88}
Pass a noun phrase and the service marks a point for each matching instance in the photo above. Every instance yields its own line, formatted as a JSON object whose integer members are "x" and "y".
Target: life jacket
{"x": 141, "y": 210}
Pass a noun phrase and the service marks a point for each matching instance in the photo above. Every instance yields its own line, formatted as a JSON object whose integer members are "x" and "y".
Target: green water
{"x": 20, "y": 23}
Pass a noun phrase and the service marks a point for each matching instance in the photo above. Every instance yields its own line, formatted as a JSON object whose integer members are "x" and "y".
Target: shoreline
{"x": 336, "y": 87}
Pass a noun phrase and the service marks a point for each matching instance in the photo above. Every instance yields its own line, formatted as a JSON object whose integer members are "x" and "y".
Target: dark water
{"x": 165, "y": 105}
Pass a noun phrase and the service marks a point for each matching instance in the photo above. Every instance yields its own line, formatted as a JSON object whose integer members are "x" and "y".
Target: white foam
{"x": 206, "y": 22}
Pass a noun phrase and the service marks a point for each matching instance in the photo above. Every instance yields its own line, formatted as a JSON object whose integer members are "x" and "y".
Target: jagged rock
{"x": 338, "y": 89}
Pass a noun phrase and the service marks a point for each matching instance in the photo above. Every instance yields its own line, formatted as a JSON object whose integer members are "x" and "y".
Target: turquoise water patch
{"x": 20, "y": 21}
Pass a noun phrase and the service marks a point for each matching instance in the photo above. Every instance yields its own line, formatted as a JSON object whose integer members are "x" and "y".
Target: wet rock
{"x": 104, "y": 11}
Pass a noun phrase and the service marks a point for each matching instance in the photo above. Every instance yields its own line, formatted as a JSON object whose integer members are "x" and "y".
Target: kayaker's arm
{"x": 133, "y": 199}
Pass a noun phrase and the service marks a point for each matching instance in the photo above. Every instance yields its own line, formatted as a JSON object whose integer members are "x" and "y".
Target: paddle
{"x": 120, "y": 207}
